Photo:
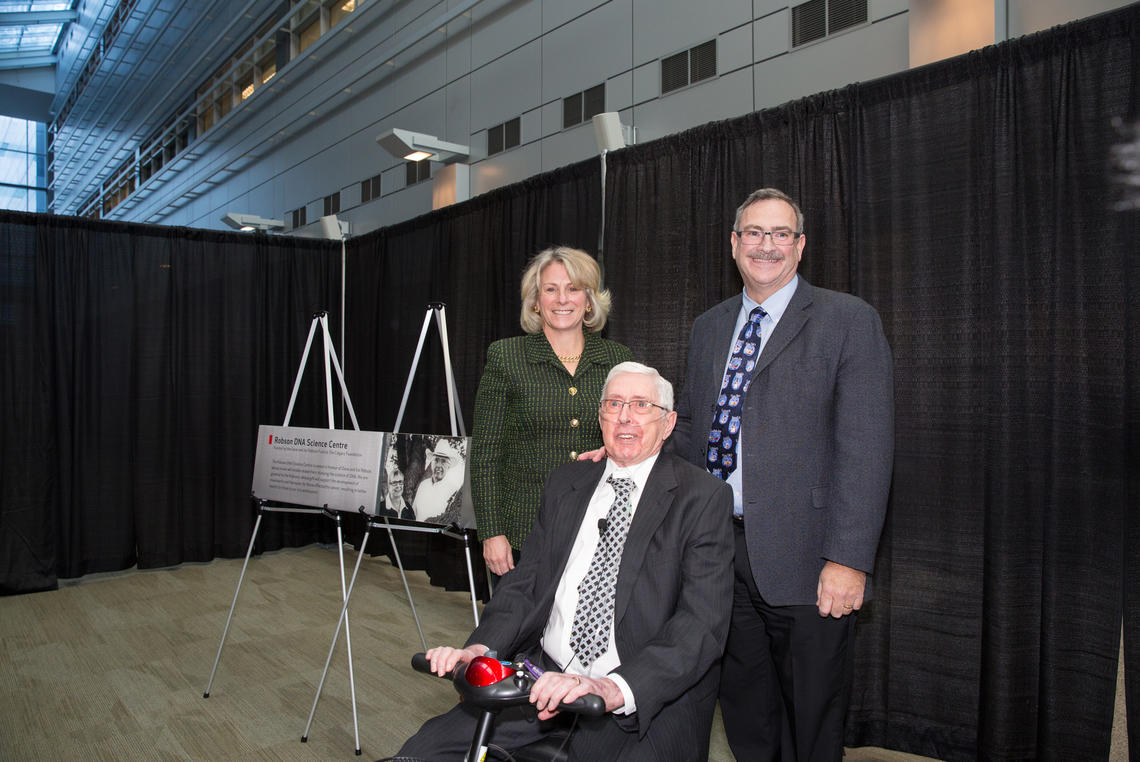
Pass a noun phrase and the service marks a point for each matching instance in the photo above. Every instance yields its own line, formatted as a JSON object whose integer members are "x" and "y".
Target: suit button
{"x": 573, "y": 423}
{"x": 573, "y": 390}
{"x": 573, "y": 455}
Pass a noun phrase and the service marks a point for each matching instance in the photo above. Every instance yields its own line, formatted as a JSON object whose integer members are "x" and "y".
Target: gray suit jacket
{"x": 672, "y": 608}
{"x": 818, "y": 436}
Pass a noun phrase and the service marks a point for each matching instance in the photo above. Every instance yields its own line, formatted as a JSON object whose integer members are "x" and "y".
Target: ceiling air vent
{"x": 844, "y": 14}
{"x": 702, "y": 61}
{"x": 688, "y": 66}
{"x": 809, "y": 22}
{"x": 675, "y": 71}
{"x": 817, "y": 19}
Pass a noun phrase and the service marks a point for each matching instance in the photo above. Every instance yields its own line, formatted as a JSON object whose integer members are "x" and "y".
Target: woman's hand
{"x": 497, "y": 554}
{"x": 594, "y": 455}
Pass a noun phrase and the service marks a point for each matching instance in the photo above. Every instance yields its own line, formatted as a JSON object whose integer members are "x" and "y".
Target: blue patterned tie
{"x": 722, "y": 452}
{"x": 590, "y": 631}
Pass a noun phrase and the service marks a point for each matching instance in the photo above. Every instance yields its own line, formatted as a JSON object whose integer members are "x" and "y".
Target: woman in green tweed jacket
{"x": 537, "y": 403}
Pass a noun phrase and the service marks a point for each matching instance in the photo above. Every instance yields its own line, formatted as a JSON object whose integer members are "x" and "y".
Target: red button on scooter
{"x": 484, "y": 671}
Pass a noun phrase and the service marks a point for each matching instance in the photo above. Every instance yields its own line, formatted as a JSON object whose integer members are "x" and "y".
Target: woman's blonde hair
{"x": 584, "y": 273}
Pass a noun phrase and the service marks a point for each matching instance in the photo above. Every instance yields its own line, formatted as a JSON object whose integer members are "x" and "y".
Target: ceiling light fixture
{"x": 248, "y": 222}
{"x": 416, "y": 146}
{"x": 610, "y": 133}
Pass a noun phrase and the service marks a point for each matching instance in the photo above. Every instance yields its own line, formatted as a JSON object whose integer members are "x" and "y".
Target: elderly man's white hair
{"x": 660, "y": 383}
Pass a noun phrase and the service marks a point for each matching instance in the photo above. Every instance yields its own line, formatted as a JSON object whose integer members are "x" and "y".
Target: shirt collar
{"x": 638, "y": 472}
{"x": 775, "y": 304}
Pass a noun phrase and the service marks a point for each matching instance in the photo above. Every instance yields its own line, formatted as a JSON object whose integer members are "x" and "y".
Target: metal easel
{"x": 381, "y": 522}
{"x": 438, "y": 310}
{"x": 330, "y": 361}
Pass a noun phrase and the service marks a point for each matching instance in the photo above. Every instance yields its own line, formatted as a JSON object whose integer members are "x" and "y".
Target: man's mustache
{"x": 766, "y": 256}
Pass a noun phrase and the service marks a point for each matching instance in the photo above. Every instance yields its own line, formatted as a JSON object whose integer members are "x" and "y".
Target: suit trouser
{"x": 785, "y": 677}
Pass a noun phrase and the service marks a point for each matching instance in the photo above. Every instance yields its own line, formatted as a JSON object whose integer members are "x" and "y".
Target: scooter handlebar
{"x": 421, "y": 663}
{"x": 513, "y": 690}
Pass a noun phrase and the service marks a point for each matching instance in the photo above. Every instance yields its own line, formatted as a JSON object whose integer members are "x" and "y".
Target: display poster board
{"x": 335, "y": 468}
{"x": 426, "y": 479}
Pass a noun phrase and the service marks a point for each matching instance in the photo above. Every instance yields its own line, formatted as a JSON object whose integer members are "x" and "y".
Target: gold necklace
{"x": 569, "y": 358}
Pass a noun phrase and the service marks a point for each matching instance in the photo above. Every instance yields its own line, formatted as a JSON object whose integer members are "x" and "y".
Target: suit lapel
{"x": 652, "y": 508}
{"x": 792, "y": 321}
{"x": 572, "y": 506}
{"x": 722, "y": 336}
{"x": 713, "y": 355}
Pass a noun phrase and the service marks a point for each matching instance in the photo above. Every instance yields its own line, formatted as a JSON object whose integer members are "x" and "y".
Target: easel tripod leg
{"x": 225, "y": 631}
{"x": 347, "y": 634}
{"x": 471, "y": 577}
{"x": 336, "y": 636}
{"x": 407, "y": 589}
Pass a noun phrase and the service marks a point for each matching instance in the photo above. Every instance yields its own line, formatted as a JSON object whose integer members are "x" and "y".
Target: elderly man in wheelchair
{"x": 624, "y": 593}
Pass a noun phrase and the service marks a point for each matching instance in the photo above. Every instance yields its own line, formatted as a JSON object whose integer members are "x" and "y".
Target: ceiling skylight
{"x": 30, "y": 29}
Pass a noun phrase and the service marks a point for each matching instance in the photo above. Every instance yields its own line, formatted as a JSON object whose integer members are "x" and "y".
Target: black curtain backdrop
{"x": 138, "y": 363}
{"x": 971, "y": 201}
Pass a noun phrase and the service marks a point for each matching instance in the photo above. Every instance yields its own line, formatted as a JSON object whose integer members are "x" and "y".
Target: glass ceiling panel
{"x": 31, "y": 38}
{"x": 9, "y": 6}
{"x": 27, "y": 39}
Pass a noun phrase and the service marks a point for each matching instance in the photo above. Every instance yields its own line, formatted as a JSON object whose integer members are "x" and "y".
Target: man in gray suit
{"x": 652, "y": 653}
{"x": 788, "y": 396}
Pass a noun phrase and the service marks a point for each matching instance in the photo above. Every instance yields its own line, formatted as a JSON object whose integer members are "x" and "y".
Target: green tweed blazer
{"x": 530, "y": 416}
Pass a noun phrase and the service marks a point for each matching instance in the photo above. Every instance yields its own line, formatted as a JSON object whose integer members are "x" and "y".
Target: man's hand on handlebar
{"x": 554, "y": 688}
{"x": 444, "y": 658}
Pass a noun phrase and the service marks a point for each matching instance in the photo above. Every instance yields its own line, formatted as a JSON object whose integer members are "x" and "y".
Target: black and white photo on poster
{"x": 425, "y": 478}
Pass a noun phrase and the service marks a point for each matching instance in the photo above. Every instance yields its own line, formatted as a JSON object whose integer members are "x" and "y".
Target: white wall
{"x": 311, "y": 131}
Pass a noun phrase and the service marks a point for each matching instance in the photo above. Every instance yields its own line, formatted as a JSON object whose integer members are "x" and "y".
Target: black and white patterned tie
{"x": 590, "y": 632}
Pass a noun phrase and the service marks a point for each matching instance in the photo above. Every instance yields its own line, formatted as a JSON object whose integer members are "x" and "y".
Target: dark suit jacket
{"x": 818, "y": 436}
{"x": 672, "y": 606}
